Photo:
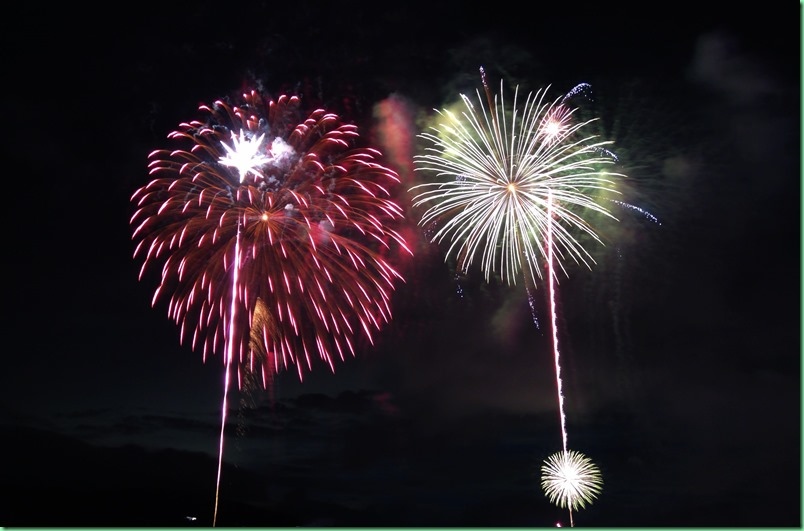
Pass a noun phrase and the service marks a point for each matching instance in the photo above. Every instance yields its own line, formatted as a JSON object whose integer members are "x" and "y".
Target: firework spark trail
{"x": 244, "y": 156}
{"x": 553, "y": 321}
{"x": 642, "y": 211}
{"x": 274, "y": 237}
{"x": 532, "y": 305}
{"x": 226, "y": 378}
{"x": 229, "y": 345}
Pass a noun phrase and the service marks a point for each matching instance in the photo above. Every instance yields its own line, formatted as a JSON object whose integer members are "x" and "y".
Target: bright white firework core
{"x": 571, "y": 480}
{"x": 244, "y": 155}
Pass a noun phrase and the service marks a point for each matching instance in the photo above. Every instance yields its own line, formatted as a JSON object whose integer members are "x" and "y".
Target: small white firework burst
{"x": 571, "y": 480}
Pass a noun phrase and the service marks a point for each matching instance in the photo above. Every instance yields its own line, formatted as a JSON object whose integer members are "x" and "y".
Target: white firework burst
{"x": 571, "y": 480}
{"x": 507, "y": 175}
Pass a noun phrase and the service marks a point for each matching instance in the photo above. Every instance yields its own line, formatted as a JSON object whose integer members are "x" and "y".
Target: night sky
{"x": 680, "y": 347}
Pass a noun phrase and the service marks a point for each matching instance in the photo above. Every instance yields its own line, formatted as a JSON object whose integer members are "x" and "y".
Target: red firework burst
{"x": 273, "y": 234}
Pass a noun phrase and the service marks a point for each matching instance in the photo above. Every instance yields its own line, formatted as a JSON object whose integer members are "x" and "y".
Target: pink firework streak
{"x": 553, "y": 320}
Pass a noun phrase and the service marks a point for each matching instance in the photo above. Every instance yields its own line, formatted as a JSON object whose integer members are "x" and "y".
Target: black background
{"x": 681, "y": 347}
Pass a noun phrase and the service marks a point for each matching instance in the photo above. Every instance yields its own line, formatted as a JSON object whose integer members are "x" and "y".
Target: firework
{"x": 516, "y": 186}
{"x": 498, "y": 168}
{"x": 571, "y": 480}
{"x": 273, "y": 236}
{"x": 311, "y": 216}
